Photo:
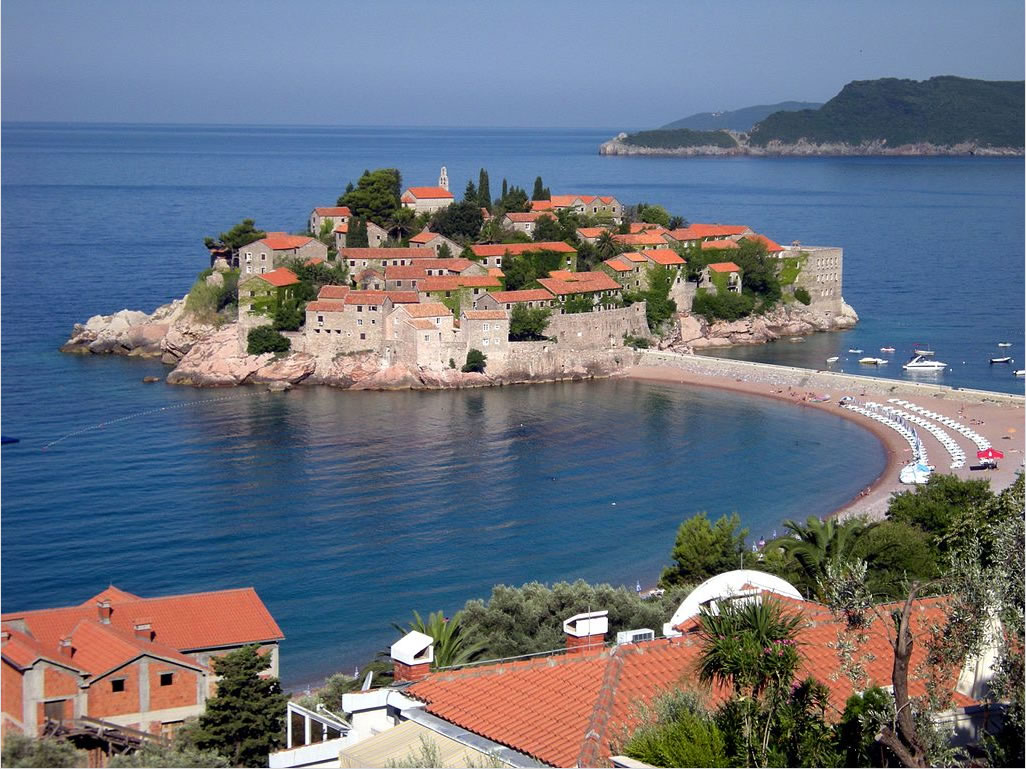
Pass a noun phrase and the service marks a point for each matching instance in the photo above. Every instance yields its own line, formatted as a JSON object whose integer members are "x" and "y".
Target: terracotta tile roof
{"x": 719, "y": 245}
{"x": 370, "y": 272}
{"x": 404, "y": 297}
{"x": 647, "y": 238}
{"x": 524, "y": 216}
{"x": 342, "y": 227}
{"x": 496, "y": 272}
{"x": 98, "y": 648}
{"x": 280, "y": 241}
{"x": 541, "y": 205}
{"x": 427, "y": 193}
{"x": 423, "y": 324}
{"x": 312, "y": 261}
{"x": 564, "y": 710}
{"x": 724, "y": 267}
{"x": 665, "y": 256}
{"x": 485, "y": 314}
{"x": 379, "y": 297}
{"x": 771, "y": 246}
{"x": 498, "y": 249}
{"x": 333, "y": 292}
{"x": 323, "y": 305}
{"x": 23, "y": 650}
{"x": 333, "y": 211}
{"x": 523, "y": 295}
{"x": 636, "y": 227}
{"x": 452, "y": 282}
{"x": 280, "y": 277}
{"x": 427, "y": 310}
{"x": 380, "y": 253}
{"x": 633, "y": 256}
{"x": 591, "y": 232}
{"x": 183, "y": 622}
{"x": 617, "y": 265}
{"x": 420, "y": 267}
{"x": 424, "y": 237}
{"x": 579, "y": 283}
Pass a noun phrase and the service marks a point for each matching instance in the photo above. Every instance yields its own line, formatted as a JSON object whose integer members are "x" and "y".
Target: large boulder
{"x": 216, "y": 360}
{"x": 691, "y": 327}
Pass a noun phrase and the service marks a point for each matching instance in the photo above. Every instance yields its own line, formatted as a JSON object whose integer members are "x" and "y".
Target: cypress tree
{"x": 505, "y": 189}
{"x": 539, "y": 190}
{"x": 484, "y": 192}
{"x": 470, "y": 194}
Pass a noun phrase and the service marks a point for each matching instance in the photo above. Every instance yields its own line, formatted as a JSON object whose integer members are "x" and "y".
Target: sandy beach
{"x": 1000, "y": 420}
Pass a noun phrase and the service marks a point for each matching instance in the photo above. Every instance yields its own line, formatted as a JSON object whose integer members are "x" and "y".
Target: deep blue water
{"x": 348, "y": 510}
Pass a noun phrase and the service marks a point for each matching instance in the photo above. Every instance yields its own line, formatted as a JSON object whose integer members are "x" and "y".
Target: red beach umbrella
{"x": 989, "y": 454}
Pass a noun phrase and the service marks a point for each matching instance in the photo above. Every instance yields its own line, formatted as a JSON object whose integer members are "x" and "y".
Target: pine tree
{"x": 357, "y": 237}
{"x": 470, "y": 194}
{"x": 505, "y": 189}
{"x": 539, "y": 190}
{"x": 245, "y": 720}
{"x": 484, "y": 192}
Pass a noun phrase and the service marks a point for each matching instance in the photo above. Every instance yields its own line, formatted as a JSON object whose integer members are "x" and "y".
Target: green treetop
{"x": 376, "y": 195}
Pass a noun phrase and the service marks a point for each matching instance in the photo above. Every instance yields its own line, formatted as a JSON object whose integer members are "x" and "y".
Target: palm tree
{"x": 451, "y": 647}
{"x": 815, "y": 545}
{"x": 750, "y": 646}
{"x": 400, "y": 223}
{"x": 607, "y": 246}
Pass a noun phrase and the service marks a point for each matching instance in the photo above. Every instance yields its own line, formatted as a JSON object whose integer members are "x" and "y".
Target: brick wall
{"x": 181, "y": 692}
{"x": 103, "y": 701}
{"x": 11, "y": 682}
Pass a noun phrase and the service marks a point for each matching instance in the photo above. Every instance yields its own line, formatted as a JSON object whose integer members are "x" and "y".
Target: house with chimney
{"x": 572, "y": 706}
{"x": 119, "y": 660}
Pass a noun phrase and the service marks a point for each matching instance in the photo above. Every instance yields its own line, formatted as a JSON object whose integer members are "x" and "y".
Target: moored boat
{"x": 1021, "y": 372}
{"x": 833, "y": 359}
{"x": 1004, "y": 344}
{"x": 923, "y": 363}
{"x": 886, "y": 349}
{"x": 1005, "y": 359}
{"x": 855, "y": 352}
{"x": 925, "y": 352}
{"x": 872, "y": 361}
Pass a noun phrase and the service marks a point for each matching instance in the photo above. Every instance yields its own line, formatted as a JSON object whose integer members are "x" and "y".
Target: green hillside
{"x": 942, "y": 110}
{"x": 738, "y": 119}
{"x": 681, "y": 137}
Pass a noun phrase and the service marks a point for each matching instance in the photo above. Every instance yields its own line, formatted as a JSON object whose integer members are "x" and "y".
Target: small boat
{"x": 796, "y": 339}
{"x": 924, "y": 352}
{"x": 1004, "y": 344}
{"x": 856, "y": 352}
{"x": 923, "y": 363}
{"x": 872, "y": 361}
{"x": 833, "y": 359}
{"x": 886, "y": 349}
{"x": 1005, "y": 359}
{"x": 5, "y": 439}
{"x": 1021, "y": 372}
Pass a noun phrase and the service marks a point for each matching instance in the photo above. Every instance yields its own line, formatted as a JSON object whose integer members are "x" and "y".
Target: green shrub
{"x": 265, "y": 339}
{"x": 288, "y": 316}
{"x": 678, "y": 732}
{"x": 802, "y": 295}
{"x": 637, "y": 342}
{"x": 526, "y": 324}
{"x": 20, "y": 750}
{"x": 475, "y": 362}
{"x": 725, "y": 306}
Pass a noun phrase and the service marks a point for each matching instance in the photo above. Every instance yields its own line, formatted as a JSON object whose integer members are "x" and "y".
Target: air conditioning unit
{"x": 635, "y": 636}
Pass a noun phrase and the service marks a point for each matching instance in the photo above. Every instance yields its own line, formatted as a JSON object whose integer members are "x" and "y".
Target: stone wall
{"x": 597, "y": 330}
{"x": 821, "y": 276}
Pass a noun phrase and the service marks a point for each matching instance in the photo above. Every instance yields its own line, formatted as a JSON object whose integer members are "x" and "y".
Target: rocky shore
{"x": 208, "y": 355}
{"x": 617, "y": 146}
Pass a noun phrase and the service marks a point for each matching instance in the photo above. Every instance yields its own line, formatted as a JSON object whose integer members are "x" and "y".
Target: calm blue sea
{"x": 348, "y": 510}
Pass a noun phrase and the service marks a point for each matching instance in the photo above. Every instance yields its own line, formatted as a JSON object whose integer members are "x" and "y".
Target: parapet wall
{"x": 601, "y": 329}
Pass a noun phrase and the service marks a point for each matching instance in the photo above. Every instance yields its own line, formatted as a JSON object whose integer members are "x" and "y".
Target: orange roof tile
{"x": 579, "y": 283}
{"x": 313, "y": 260}
{"x": 333, "y": 211}
{"x": 452, "y": 282}
{"x": 379, "y": 297}
{"x": 617, "y": 265}
{"x": 22, "y": 650}
{"x": 183, "y": 622}
{"x": 646, "y": 238}
{"x": 424, "y": 324}
{"x": 280, "y": 241}
{"x": 525, "y": 216}
{"x": 724, "y": 267}
{"x": 280, "y": 277}
{"x": 382, "y": 253}
{"x": 665, "y": 256}
{"x": 420, "y": 267}
{"x": 427, "y": 310}
{"x": 565, "y": 709}
{"x": 636, "y": 227}
{"x": 498, "y": 249}
{"x": 771, "y": 246}
{"x": 719, "y": 245}
{"x": 522, "y": 295}
{"x": 485, "y": 314}
{"x": 333, "y": 292}
{"x": 342, "y": 227}
{"x": 424, "y": 236}
{"x": 323, "y": 305}
{"x": 591, "y": 232}
{"x": 496, "y": 272}
{"x": 428, "y": 193}
{"x": 633, "y": 256}
{"x": 98, "y": 648}
{"x": 541, "y": 205}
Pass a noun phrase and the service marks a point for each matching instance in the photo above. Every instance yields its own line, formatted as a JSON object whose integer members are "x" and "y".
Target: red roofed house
{"x": 726, "y": 276}
{"x": 571, "y": 709}
{"x": 523, "y": 221}
{"x": 335, "y": 214}
{"x": 270, "y": 252}
{"x": 532, "y": 298}
{"x": 136, "y": 662}
{"x": 434, "y": 241}
{"x": 426, "y": 199}
{"x": 602, "y": 290}
{"x": 697, "y": 233}
{"x": 492, "y": 254}
{"x": 456, "y": 291}
{"x": 641, "y": 240}
{"x": 353, "y": 322}
{"x": 260, "y": 294}
{"x": 592, "y": 205}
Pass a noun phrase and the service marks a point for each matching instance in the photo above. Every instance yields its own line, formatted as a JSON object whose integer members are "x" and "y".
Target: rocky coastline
{"x": 207, "y": 355}
{"x": 617, "y": 146}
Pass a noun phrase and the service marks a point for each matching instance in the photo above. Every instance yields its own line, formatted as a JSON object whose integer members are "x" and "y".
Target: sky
{"x": 624, "y": 65}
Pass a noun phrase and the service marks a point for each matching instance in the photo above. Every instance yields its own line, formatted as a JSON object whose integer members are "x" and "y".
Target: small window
{"x": 484, "y": 327}
{"x": 166, "y": 679}
{"x": 359, "y": 321}
{"x": 117, "y": 685}
{"x": 363, "y": 336}
{"x": 484, "y": 342}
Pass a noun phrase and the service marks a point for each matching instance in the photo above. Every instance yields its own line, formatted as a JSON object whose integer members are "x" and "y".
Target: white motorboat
{"x": 886, "y": 349}
{"x": 855, "y": 352}
{"x": 872, "y": 361}
{"x": 923, "y": 363}
{"x": 1004, "y": 344}
{"x": 924, "y": 352}
{"x": 1021, "y": 372}
{"x": 833, "y": 359}
{"x": 1005, "y": 359}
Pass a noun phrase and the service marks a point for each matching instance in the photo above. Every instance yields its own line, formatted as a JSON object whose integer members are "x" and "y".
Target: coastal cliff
{"x": 205, "y": 355}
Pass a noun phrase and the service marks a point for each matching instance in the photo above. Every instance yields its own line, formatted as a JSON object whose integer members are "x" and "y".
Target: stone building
{"x": 487, "y": 331}
{"x": 641, "y": 241}
{"x": 522, "y": 221}
{"x": 592, "y": 205}
{"x": 140, "y": 663}
{"x": 532, "y": 298}
{"x": 821, "y": 272}
{"x": 456, "y": 291}
{"x": 352, "y": 323}
{"x": 726, "y": 276}
{"x": 335, "y": 214}
{"x": 597, "y": 287}
{"x": 261, "y": 294}
{"x": 426, "y": 199}
{"x": 434, "y": 241}
{"x": 492, "y": 254}
{"x": 270, "y": 252}
{"x": 695, "y": 234}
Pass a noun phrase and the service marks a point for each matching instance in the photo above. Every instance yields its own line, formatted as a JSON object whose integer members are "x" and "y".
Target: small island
{"x": 940, "y": 116}
{"x": 396, "y": 288}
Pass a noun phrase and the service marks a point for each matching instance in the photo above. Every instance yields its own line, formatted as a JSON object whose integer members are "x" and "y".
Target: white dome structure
{"x": 729, "y": 586}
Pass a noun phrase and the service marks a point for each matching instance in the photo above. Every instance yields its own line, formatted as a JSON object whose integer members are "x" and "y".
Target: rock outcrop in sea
{"x": 207, "y": 355}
